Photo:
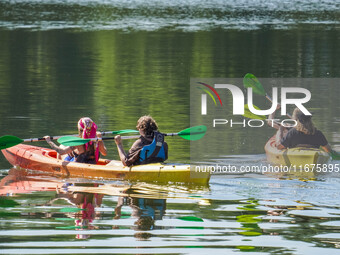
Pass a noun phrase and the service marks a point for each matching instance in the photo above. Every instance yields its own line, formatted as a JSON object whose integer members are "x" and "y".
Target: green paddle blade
{"x": 124, "y": 131}
{"x": 250, "y": 115}
{"x": 9, "y": 141}
{"x": 72, "y": 141}
{"x": 250, "y": 81}
{"x": 193, "y": 133}
{"x": 335, "y": 155}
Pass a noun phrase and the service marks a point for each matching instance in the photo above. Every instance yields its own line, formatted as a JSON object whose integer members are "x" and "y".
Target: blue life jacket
{"x": 154, "y": 152}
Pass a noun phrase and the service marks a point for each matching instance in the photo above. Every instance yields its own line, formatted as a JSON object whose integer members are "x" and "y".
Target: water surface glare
{"x": 154, "y": 15}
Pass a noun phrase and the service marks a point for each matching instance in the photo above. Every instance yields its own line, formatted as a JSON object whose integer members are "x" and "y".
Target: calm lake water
{"x": 117, "y": 60}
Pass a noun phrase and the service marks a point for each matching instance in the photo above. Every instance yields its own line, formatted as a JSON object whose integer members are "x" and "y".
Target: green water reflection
{"x": 46, "y": 212}
{"x": 49, "y": 79}
{"x": 116, "y": 61}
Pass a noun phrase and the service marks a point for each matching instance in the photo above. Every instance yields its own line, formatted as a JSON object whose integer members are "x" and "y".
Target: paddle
{"x": 192, "y": 134}
{"x": 335, "y": 155}
{"x": 250, "y": 81}
{"x": 123, "y": 131}
{"x": 250, "y": 115}
{"x": 10, "y": 140}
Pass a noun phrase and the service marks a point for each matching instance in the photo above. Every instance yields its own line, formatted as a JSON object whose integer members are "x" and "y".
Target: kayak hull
{"x": 43, "y": 159}
{"x": 296, "y": 157}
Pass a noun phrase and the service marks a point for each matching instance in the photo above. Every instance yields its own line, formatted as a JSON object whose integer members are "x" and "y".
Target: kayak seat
{"x": 103, "y": 162}
{"x": 52, "y": 154}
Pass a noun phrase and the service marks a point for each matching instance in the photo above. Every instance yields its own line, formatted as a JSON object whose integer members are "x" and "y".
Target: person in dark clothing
{"x": 304, "y": 134}
{"x": 149, "y": 148}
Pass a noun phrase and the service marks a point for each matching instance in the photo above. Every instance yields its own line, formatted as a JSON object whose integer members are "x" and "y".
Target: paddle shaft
{"x": 192, "y": 134}
{"x": 38, "y": 139}
{"x": 124, "y": 137}
{"x": 30, "y": 140}
{"x": 271, "y": 100}
{"x": 137, "y": 136}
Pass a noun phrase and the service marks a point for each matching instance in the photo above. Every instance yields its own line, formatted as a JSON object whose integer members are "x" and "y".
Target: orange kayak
{"x": 20, "y": 181}
{"x": 43, "y": 159}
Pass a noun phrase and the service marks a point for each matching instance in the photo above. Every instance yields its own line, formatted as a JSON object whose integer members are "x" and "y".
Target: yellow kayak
{"x": 298, "y": 157}
{"x": 43, "y": 159}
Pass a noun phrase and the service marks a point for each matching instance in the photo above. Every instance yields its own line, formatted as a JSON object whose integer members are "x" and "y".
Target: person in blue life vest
{"x": 149, "y": 148}
{"x": 87, "y": 153}
{"x": 304, "y": 134}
